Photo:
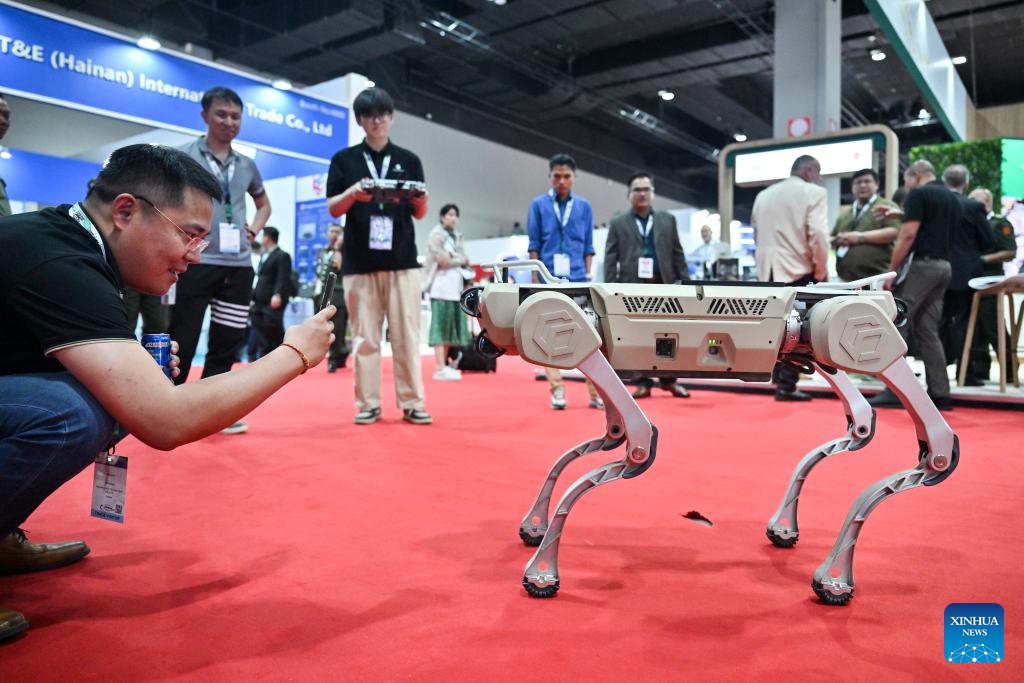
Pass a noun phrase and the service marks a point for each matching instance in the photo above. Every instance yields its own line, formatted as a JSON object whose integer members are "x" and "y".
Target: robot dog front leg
{"x": 552, "y": 330}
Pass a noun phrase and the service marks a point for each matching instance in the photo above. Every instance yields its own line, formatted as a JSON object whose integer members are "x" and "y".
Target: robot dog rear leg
{"x": 939, "y": 452}
{"x": 783, "y": 529}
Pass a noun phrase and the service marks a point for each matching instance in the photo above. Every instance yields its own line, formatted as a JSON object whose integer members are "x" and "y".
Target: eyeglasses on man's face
{"x": 376, "y": 116}
{"x": 194, "y": 245}
{"x": 641, "y": 190}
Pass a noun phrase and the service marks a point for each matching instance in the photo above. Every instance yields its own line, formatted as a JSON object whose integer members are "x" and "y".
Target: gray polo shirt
{"x": 237, "y": 176}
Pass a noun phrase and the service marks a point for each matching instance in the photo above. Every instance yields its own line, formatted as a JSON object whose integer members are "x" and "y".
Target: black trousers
{"x": 155, "y": 315}
{"x": 986, "y": 334}
{"x": 268, "y": 325}
{"x": 226, "y": 290}
{"x": 786, "y": 376}
{"x": 956, "y": 312}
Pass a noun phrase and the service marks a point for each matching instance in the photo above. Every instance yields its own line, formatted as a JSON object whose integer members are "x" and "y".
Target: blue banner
{"x": 312, "y": 219}
{"x": 48, "y": 59}
{"x": 45, "y": 179}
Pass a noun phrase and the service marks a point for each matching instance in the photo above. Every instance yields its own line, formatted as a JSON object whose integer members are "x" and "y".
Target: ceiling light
{"x": 960, "y": 60}
{"x": 370, "y": 84}
{"x": 282, "y": 84}
{"x": 666, "y": 95}
{"x": 148, "y": 43}
{"x": 739, "y": 136}
{"x": 877, "y": 55}
{"x": 499, "y": 3}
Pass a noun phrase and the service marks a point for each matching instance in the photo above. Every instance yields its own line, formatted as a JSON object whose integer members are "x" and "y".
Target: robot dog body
{"x": 710, "y": 330}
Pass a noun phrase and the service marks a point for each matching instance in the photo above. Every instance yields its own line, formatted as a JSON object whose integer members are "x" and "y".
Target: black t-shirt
{"x": 971, "y": 239}
{"x": 939, "y": 211}
{"x": 56, "y": 290}
{"x": 349, "y": 166}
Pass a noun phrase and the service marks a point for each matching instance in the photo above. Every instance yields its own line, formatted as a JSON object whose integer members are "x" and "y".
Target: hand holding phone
{"x": 325, "y": 298}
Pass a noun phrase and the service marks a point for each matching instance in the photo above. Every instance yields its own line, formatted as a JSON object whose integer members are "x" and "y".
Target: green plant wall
{"x": 983, "y": 158}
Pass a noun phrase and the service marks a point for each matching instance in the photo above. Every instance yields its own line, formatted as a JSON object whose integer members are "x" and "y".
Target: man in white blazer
{"x": 792, "y": 237}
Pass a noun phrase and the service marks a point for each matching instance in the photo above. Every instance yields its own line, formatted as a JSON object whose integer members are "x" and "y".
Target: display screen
{"x": 837, "y": 158}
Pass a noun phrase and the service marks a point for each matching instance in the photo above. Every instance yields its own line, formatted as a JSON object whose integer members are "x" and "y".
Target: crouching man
{"x": 70, "y": 365}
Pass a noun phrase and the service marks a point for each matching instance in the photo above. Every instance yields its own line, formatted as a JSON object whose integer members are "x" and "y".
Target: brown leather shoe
{"x": 11, "y": 623}
{"x": 642, "y": 392}
{"x": 19, "y": 556}
{"x": 677, "y": 390}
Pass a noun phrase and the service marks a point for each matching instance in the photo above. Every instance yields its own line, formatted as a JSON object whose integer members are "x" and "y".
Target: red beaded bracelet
{"x": 306, "y": 365}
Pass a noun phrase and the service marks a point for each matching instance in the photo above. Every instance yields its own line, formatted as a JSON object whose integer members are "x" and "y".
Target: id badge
{"x": 109, "y": 482}
{"x": 381, "y": 231}
{"x": 645, "y": 267}
{"x": 841, "y": 251}
{"x": 230, "y": 238}
{"x": 562, "y": 265}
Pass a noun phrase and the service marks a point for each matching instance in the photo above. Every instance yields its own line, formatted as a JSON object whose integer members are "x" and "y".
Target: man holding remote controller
{"x": 380, "y": 269}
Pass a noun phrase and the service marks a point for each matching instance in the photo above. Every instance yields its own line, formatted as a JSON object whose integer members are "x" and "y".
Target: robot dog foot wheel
{"x": 837, "y": 593}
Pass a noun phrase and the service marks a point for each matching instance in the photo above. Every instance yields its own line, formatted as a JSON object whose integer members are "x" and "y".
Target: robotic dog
{"x": 713, "y": 330}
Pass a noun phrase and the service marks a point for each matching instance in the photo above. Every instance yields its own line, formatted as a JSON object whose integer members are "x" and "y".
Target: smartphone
{"x": 325, "y": 298}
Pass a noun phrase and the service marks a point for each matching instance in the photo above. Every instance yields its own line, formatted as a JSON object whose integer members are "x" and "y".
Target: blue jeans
{"x": 51, "y": 428}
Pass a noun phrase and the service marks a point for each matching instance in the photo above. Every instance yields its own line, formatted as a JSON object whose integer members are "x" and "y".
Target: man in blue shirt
{"x": 561, "y": 230}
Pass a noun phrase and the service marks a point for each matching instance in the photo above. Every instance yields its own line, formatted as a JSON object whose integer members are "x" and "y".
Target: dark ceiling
{"x": 583, "y": 75}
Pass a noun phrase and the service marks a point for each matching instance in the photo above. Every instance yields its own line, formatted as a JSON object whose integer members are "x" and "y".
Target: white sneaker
{"x": 239, "y": 427}
{"x": 447, "y": 374}
{"x": 597, "y": 403}
{"x": 558, "y": 401}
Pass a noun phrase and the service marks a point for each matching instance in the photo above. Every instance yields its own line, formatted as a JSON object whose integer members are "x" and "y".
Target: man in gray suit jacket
{"x": 643, "y": 246}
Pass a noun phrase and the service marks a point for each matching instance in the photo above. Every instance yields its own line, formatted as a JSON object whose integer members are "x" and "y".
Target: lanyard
{"x": 450, "y": 244}
{"x": 79, "y": 214}
{"x": 863, "y": 209}
{"x": 645, "y": 227}
{"x": 224, "y": 176}
{"x": 373, "y": 169}
{"x": 645, "y": 233}
{"x": 562, "y": 219}
{"x": 384, "y": 165}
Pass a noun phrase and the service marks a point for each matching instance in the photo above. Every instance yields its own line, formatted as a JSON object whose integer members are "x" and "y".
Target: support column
{"x": 808, "y": 46}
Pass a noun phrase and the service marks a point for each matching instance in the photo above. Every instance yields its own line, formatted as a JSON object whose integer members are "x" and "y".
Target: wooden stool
{"x": 1003, "y": 288}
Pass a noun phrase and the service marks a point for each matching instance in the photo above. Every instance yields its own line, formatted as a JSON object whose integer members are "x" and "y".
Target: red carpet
{"x": 311, "y": 549}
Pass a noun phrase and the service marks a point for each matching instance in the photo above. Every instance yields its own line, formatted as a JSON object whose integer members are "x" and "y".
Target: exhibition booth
{"x": 77, "y": 92}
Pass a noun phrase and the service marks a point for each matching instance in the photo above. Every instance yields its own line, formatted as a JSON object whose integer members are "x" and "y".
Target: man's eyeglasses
{"x": 642, "y": 190}
{"x": 194, "y": 245}
{"x": 377, "y": 116}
